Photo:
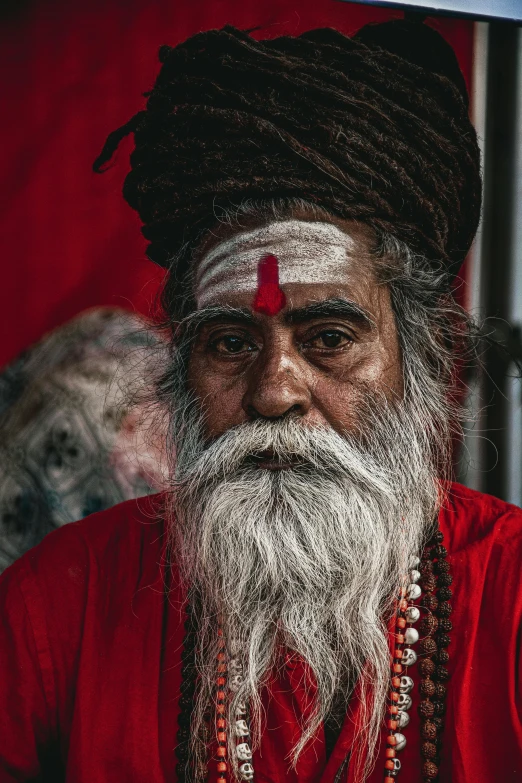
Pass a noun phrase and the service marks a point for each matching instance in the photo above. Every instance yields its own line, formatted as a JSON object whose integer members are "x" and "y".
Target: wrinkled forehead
{"x": 299, "y": 252}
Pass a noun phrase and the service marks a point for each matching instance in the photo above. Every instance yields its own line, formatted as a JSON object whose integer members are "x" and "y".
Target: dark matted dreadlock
{"x": 373, "y": 128}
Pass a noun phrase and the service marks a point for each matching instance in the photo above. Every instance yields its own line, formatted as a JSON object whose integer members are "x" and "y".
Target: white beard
{"x": 310, "y": 557}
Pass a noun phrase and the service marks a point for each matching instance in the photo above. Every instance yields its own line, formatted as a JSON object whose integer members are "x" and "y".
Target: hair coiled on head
{"x": 373, "y": 128}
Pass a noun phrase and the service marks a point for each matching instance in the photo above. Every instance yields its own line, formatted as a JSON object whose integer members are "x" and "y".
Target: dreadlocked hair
{"x": 373, "y": 128}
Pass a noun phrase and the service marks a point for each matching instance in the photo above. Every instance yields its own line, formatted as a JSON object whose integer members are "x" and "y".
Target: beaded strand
{"x": 404, "y": 656}
{"x": 221, "y": 721}
{"x": 436, "y": 625}
{"x": 241, "y": 726}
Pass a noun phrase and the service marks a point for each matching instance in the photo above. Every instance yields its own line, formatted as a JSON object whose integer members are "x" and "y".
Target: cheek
{"x": 341, "y": 399}
{"x": 339, "y": 403}
{"x": 382, "y": 372}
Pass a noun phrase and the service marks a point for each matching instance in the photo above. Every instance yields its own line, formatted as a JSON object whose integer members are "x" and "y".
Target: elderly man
{"x": 312, "y": 599}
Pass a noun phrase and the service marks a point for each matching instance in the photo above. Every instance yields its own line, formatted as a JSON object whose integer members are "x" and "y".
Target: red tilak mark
{"x": 269, "y": 299}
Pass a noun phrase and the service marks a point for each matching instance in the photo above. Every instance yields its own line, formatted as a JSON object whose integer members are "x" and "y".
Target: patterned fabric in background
{"x": 73, "y": 437}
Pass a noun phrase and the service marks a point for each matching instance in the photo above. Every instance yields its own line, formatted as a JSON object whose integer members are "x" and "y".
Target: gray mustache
{"x": 304, "y": 448}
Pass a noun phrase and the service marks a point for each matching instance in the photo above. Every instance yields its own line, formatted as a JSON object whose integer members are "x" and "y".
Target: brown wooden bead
{"x": 439, "y": 723}
{"x": 426, "y": 667}
{"x": 427, "y": 687}
{"x": 445, "y": 580}
{"x": 430, "y": 770}
{"x": 428, "y": 646}
{"x": 429, "y": 750}
{"x": 439, "y": 707}
{"x": 444, "y": 609}
{"x": 426, "y": 568}
{"x": 429, "y": 625}
{"x": 442, "y": 639}
{"x": 445, "y": 593}
{"x": 437, "y": 538}
{"x": 430, "y": 602}
{"x": 426, "y": 708}
{"x": 440, "y": 691}
{"x": 441, "y": 674}
{"x": 429, "y": 730}
{"x": 440, "y": 551}
{"x": 428, "y": 583}
{"x": 441, "y": 567}
{"x": 445, "y": 625}
{"x": 442, "y": 656}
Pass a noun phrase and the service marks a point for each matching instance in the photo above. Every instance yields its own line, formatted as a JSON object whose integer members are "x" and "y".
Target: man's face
{"x": 329, "y": 340}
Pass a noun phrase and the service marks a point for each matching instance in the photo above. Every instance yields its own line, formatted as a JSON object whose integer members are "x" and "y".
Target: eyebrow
{"x": 331, "y": 308}
{"x": 213, "y": 314}
{"x": 327, "y": 308}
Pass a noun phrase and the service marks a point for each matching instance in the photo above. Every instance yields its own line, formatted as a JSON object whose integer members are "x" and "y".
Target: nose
{"x": 277, "y": 386}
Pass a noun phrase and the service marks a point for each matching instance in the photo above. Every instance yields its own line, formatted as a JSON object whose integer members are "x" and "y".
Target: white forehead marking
{"x": 307, "y": 252}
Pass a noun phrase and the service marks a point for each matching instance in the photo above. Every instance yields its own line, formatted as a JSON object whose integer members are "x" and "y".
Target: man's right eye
{"x": 232, "y": 344}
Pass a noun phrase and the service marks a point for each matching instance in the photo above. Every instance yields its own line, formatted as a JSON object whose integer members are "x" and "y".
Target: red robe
{"x": 90, "y": 645}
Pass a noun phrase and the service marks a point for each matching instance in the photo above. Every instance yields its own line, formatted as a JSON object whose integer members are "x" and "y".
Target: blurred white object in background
{"x": 79, "y": 430}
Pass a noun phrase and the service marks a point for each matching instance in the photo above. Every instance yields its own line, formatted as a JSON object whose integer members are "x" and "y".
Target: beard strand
{"x": 308, "y": 559}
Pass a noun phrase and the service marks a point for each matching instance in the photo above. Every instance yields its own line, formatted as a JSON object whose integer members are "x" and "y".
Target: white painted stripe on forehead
{"x": 307, "y": 252}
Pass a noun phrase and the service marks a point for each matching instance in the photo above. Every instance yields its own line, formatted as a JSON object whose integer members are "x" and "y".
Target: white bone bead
{"x": 409, "y": 657}
{"x": 243, "y": 751}
{"x": 414, "y": 592}
{"x": 396, "y": 768}
{"x": 404, "y": 719}
{"x": 400, "y": 741}
{"x": 412, "y": 614}
{"x": 415, "y": 576}
{"x": 234, "y": 682}
{"x": 406, "y": 684}
{"x": 241, "y": 728}
{"x": 411, "y": 636}
{"x": 246, "y": 771}
{"x": 404, "y": 702}
{"x": 414, "y": 562}
{"x": 235, "y": 667}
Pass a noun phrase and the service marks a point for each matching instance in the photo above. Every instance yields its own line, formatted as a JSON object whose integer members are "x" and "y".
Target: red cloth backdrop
{"x": 72, "y": 72}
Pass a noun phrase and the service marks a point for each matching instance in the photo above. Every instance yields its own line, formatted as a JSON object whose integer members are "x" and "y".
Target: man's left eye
{"x": 330, "y": 339}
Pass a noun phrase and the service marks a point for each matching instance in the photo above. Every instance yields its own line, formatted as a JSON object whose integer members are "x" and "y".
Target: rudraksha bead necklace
{"x": 430, "y": 578}
{"x": 436, "y": 582}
